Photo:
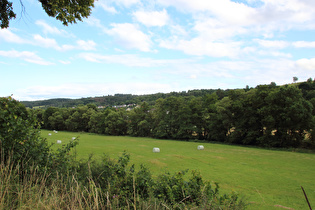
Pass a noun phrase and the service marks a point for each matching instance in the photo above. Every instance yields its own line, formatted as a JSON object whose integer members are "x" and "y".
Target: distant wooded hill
{"x": 307, "y": 88}
{"x": 119, "y": 99}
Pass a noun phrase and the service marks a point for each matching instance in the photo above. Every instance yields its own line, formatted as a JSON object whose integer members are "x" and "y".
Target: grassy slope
{"x": 267, "y": 178}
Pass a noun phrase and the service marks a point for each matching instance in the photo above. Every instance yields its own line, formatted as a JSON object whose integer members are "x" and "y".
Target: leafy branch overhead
{"x": 6, "y": 13}
{"x": 66, "y": 11}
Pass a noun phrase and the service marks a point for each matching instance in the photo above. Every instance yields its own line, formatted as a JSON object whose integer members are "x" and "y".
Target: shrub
{"x": 19, "y": 140}
{"x": 177, "y": 191}
{"x": 22, "y": 145}
{"x": 120, "y": 181}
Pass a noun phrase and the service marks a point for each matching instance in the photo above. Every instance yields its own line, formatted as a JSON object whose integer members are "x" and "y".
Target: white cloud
{"x": 45, "y": 42}
{"x": 214, "y": 29}
{"x": 127, "y": 3}
{"x": 307, "y": 64}
{"x": 86, "y": 45}
{"x": 47, "y": 29}
{"x": 26, "y": 56}
{"x": 93, "y": 21}
{"x": 131, "y": 60}
{"x": 65, "y": 62}
{"x": 263, "y": 18}
{"x": 154, "y": 18}
{"x": 178, "y": 30}
{"x": 193, "y": 76}
{"x": 279, "y": 44}
{"x": 129, "y": 36}
{"x": 200, "y": 46}
{"x": 104, "y": 5}
{"x": 253, "y": 72}
{"x": 229, "y": 11}
{"x": 304, "y": 44}
{"x": 52, "y": 43}
{"x": 295, "y": 11}
{"x": 9, "y": 36}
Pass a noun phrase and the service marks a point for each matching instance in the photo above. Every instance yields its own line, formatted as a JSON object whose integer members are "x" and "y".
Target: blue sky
{"x": 144, "y": 47}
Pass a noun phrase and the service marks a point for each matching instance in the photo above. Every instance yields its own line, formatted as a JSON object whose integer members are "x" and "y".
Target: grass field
{"x": 268, "y": 179}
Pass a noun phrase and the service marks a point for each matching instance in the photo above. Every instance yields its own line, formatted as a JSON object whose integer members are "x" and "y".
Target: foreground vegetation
{"x": 265, "y": 116}
{"x": 33, "y": 175}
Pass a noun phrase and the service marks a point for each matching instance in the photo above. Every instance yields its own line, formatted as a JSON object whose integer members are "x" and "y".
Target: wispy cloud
{"x": 130, "y": 36}
{"x": 304, "y": 44}
{"x": 200, "y": 46}
{"x": 27, "y": 56}
{"x": 154, "y": 18}
{"x": 131, "y": 60}
{"x": 279, "y": 44}
{"x": 8, "y": 36}
{"x": 48, "y": 29}
{"x": 105, "y": 6}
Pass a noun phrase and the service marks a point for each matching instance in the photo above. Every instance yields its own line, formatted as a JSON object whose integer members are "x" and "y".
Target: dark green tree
{"x": 140, "y": 120}
{"x": 167, "y": 117}
{"x": 196, "y": 118}
{"x": 66, "y": 11}
{"x": 116, "y": 122}
{"x": 79, "y": 119}
{"x": 97, "y": 122}
{"x": 208, "y": 114}
{"x": 286, "y": 117}
{"x": 220, "y": 121}
{"x": 57, "y": 119}
{"x": 48, "y": 113}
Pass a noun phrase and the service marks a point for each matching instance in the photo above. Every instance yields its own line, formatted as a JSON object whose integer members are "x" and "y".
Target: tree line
{"x": 268, "y": 116}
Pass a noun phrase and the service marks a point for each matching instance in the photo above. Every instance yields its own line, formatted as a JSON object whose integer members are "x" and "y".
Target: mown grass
{"x": 268, "y": 179}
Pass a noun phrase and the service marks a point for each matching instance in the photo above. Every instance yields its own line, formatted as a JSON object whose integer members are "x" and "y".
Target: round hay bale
{"x": 58, "y": 141}
{"x": 156, "y": 149}
{"x": 200, "y": 147}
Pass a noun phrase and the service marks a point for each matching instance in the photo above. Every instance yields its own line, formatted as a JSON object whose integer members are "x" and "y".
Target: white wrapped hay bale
{"x": 49, "y": 134}
{"x": 73, "y": 138}
{"x": 156, "y": 149}
{"x": 58, "y": 141}
{"x": 200, "y": 147}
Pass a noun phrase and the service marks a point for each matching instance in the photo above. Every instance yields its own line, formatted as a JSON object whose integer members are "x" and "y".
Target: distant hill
{"x": 307, "y": 88}
{"x": 118, "y": 99}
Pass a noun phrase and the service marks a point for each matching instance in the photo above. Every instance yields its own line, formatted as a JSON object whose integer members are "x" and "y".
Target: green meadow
{"x": 267, "y": 179}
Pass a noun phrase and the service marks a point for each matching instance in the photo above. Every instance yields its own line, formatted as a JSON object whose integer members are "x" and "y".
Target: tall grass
{"x": 33, "y": 190}
{"x": 20, "y": 190}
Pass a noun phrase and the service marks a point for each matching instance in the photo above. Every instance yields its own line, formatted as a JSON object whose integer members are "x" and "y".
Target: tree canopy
{"x": 66, "y": 11}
